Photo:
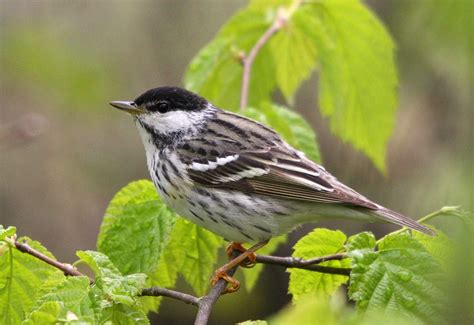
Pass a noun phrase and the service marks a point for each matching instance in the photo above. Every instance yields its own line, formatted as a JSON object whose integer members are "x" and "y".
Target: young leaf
{"x": 294, "y": 54}
{"x": 400, "y": 276}
{"x": 193, "y": 253}
{"x": 124, "y": 315}
{"x": 135, "y": 228}
{"x": 290, "y": 125}
{"x": 251, "y": 276}
{"x": 70, "y": 295}
{"x": 358, "y": 76}
{"x": 363, "y": 240}
{"x": 319, "y": 242}
{"x": 4, "y": 233}
{"x": 21, "y": 277}
{"x": 440, "y": 246}
{"x": 48, "y": 313}
{"x": 119, "y": 288}
{"x": 76, "y": 300}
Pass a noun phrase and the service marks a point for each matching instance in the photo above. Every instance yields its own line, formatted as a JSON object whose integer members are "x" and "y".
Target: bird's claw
{"x": 234, "y": 284}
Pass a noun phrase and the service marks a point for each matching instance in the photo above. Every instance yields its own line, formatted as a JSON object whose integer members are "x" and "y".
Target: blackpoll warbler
{"x": 237, "y": 177}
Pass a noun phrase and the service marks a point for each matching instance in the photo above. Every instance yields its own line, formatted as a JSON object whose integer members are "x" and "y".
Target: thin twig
{"x": 68, "y": 269}
{"x": 280, "y": 20}
{"x": 158, "y": 291}
{"x": 310, "y": 265}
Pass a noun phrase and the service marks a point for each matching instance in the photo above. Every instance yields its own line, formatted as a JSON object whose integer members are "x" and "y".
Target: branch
{"x": 157, "y": 292}
{"x": 68, "y": 269}
{"x": 207, "y": 302}
{"x": 281, "y": 19}
{"x": 311, "y": 264}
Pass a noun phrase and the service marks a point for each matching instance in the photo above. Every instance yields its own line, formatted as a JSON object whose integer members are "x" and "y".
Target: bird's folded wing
{"x": 274, "y": 172}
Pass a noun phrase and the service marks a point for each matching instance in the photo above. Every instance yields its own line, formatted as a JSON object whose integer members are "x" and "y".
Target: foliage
{"x": 21, "y": 278}
{"x": 342, "y": 39}
{"x": 136, "y": 228}
{"x": 400, "y": 278}
{"x": 320, "y": 242}
{"x": 291, "y": 126}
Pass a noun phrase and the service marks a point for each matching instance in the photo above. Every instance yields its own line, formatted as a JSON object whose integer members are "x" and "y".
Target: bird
{"x": 237, "y": 177}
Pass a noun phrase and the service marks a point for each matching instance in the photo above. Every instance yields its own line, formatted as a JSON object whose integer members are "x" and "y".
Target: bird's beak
{"x": 129, "y": 107}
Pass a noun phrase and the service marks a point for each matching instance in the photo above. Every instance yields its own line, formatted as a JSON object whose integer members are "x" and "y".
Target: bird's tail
{"x": 399, "y": 219}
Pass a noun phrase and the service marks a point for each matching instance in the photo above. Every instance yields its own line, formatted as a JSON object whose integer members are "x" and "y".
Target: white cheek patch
{"x": 213, "y": 164}
{"x": 173, "y": 121}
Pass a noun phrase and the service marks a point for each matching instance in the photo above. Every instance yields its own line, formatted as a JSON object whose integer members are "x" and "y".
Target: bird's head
{"x": 167, "y": 110}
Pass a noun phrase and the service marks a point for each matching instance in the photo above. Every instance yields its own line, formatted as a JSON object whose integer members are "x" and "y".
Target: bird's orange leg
{"x": 249, "y": 262}
{"x": 221, "y": 273}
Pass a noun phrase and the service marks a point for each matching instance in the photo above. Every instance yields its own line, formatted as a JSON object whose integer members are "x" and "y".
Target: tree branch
{"x": 281, "y": 19}
{"x": 68, "y": 269}
{"x": 158, "y": 291}
{"x": 207, "y": 302}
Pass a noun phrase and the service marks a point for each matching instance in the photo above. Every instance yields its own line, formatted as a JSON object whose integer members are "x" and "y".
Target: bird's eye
{"x": 161, "y": 107}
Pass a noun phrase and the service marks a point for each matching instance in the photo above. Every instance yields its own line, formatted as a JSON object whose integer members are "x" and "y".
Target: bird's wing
{"x": 277, "y": 171}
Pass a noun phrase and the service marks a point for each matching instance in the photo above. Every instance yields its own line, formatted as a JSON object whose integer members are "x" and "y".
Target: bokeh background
{"x": 64, "y": 151}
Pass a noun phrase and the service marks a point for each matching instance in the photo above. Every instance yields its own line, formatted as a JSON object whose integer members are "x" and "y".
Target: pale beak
{"x": 129, "y": 107}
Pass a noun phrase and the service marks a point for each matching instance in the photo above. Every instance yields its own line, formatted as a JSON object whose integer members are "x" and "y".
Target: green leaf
{"x": 216, "y": 71}
{"x": 363, "y": 240}
{"x": 135, "y": 228}
{"x": 358, "y": 77}
{"x": 119, "y": 288}
{"x": 124, "y": 315}
{"x": 318, "y": 243}
{"x": 193, "y": 253}
{"x": 401, "y": 276}
{"x": 439, "y": 246}
{"x": 71, "y": 295}
{"x": 290, "y": 125}
{"x": 294, "y": 54}
{"x": 47, "y": 314}
{"x": 4, "y": 233}
{"x": 251, "y": 276}
{"x": 74, "y": 299}
{"x": 21, "y": 278}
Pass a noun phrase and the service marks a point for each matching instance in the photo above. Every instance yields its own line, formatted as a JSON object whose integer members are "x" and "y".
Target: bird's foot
{"x": 249, "y": 262}
{"x": 221, "y": 273}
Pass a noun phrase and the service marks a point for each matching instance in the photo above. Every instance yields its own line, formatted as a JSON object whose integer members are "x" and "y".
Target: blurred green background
{"x": 64, "y": 151}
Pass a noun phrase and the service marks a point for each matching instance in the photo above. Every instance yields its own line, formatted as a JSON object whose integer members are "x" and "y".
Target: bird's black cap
{"x": 178, "y": 98}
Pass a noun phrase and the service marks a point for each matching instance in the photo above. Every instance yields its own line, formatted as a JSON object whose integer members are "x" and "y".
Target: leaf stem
{"x": 282, "y": 17}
